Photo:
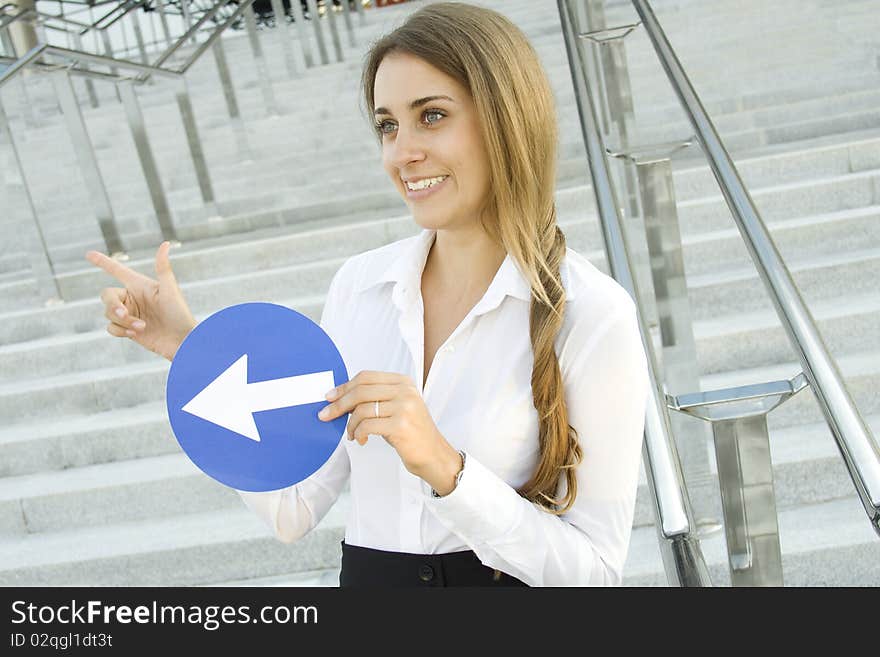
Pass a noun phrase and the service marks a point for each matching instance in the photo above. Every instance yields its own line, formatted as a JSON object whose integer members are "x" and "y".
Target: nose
{"x": 406, "y": 147}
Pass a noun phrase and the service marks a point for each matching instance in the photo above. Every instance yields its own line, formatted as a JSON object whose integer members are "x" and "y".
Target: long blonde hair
{"x": 494, "y": 60}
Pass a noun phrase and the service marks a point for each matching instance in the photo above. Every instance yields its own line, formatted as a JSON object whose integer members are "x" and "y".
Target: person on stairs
{"x": 496, "y": 417}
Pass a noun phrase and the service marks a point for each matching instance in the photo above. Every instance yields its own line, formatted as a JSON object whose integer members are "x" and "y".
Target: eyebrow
{"x": 416, "y": 103}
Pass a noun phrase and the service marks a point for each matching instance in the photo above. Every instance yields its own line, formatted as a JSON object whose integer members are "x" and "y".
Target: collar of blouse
{"x": 405, "y": 270}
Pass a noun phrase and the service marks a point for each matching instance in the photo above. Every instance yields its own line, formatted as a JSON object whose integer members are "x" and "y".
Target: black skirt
{"x": 366, "y": 567}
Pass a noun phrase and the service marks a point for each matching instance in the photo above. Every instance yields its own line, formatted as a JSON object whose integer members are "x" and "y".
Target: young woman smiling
{"x": 496, "y": 417}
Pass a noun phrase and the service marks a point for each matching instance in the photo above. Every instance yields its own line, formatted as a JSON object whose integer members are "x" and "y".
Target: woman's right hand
{"x": 151, "y": 312}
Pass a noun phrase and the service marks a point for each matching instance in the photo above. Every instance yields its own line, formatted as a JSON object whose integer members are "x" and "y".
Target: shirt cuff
{"x": 483, "y": 507}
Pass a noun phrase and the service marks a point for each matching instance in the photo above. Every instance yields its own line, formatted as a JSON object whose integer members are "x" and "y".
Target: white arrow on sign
{"x": 230, "y": 401}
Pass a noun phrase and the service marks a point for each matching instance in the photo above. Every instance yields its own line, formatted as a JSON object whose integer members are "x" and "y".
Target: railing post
{"x": 26, "y": 106}
{"x": 195, "y": 144}
{"x": 592, "y": 15}
{"x": 621, "y": 109}
{"x": 145, "y": 155}
{"x": 95, "y": 40}
{"x": 860, "y": 452}
{"x": 108, "y": 49}
{"x": 37, "y": 249}
{"x": 620, "y": 106}
{"x": 262, "y": 70}
{"x": 8, "y": 45}
{"x": 679, "y": 547}
{"x": 346, "y": 12}
{"x": 334, "y": 32}
{"x": 139, "y": 37}
{"x": 85, "y": 153}
{"x": 608, "y": 61}
{"x": 282, "y": 30}
{"x": 40, "y": 30}
{"x": 319, "y": 34}
{"x": 745, "y": 473}
{"x": 359, "y": 6}
{"x": 153, "y": 33}
{"x": 124, "y": 40}
{"x": 300, "y": 20}
{"x": 163, "y": 19}
{"x": 90, "y": 85}
{"x": 187, "y": 18}
{"x": 616, "y": 102}
{"x": 238, "y": 128}
{"x": 680, "y": 371}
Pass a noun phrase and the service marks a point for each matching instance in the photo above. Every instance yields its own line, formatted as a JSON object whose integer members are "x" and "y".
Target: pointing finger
{"x": 117, "y": 270}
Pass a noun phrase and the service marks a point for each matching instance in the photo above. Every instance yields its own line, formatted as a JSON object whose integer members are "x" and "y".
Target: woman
{"x": 496, "y": 417}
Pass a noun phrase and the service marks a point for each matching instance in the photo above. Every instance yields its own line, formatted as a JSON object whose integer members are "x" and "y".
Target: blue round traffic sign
{"x": 243, "y": 396}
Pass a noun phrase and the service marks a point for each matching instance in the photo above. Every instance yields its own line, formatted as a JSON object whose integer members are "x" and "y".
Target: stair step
{"x": 828, "y": 544}
{"x": 183, "y": 550}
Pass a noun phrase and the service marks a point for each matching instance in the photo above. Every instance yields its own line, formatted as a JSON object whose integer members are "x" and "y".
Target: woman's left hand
{"x": 404, "y": 421}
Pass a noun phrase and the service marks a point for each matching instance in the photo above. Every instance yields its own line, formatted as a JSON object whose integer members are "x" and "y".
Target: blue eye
{"x": 434, "y": 113}
{"x": 381, "y": 126}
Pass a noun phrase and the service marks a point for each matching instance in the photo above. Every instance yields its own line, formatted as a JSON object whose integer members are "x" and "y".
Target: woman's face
{"x": 430, "y": 132}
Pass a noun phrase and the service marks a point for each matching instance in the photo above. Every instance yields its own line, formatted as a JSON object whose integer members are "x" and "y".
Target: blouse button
{"x": 426, "y": 573}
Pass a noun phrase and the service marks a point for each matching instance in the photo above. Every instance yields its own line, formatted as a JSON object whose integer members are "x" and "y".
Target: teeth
{"x": 425, "y": 183}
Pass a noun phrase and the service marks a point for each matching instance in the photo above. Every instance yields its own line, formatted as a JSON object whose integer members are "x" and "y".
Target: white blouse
{"x": 479, "y": 394}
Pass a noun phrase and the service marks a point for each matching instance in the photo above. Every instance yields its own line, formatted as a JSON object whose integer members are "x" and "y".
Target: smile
{"x": 425, "y": 187}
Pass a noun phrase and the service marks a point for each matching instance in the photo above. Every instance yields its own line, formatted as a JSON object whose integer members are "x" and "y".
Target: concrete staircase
{"x": 93, "y": 486}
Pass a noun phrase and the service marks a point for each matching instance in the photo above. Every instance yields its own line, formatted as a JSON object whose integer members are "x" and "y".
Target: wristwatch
{"x": 457, "y": 477}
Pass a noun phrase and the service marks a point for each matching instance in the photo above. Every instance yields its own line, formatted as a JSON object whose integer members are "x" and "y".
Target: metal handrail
{"x": 854, "y": 440}
{"x": 61, "y": 19}
{"x": 8, "y": 19}
{"x": 126, "y": 73}
{"x": 680, "y": 549}
{"x": 87, "y": 4}
{"x": 75, "y": 57}
{"x": 79, "y": 72}
{"x": 96, "y": 23}
{"x": 80, "y": 56}
{"x": 43, "y": 17}
{"x": 84, "y": 28}
{"x": 121, "y": 6}
{"x": 173, "y": 48}
{"x": 215, "y": 34}
{"x": 22, "y": 62}
{"x": 145, "y": 70}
